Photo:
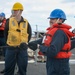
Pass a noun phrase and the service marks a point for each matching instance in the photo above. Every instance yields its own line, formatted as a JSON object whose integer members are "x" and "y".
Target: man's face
{"x": 52, "y": 21}
{"x": 15, "y": 13}
{"x": 1, "y": 18}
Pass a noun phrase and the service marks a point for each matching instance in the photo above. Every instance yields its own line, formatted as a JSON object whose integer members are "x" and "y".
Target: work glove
{"x": 32, "y": 45}
{"x": 23, "y": 46}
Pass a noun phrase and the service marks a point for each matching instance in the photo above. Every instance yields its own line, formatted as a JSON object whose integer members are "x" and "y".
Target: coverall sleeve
{"x": 38, "y": 41}
{"x": 6, "y": 29}
{"x": 58, "y": 41}
{"x": 29, "y": 31}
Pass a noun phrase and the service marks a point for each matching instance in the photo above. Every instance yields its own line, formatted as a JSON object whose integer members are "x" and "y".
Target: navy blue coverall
{"x": 16, "y": 55}
{"x": 2, "y": 38}
{"x": 55, "y": 66}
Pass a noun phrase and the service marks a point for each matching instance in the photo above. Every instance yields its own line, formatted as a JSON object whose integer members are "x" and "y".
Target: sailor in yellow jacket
{"x": 17, "y": 33}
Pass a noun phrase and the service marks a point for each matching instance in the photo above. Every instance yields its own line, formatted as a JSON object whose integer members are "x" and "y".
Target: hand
{"x": 32, "y": 45}
{"x": 23, "y": 46}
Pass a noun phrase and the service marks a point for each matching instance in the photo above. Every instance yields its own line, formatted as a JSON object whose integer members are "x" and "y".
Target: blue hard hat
{"x": 2, "y": 14}
{"x": 57, "y": 13}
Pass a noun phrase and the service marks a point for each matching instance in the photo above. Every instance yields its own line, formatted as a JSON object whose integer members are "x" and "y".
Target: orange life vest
{"x": 3, "y": 24}
{"x": 64, "y": 52}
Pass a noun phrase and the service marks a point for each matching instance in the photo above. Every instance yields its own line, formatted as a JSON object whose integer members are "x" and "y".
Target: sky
{"x": 37, "y": 11}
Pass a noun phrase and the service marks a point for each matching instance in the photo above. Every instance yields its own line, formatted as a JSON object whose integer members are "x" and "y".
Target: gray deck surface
{"x": 40, "y": 69}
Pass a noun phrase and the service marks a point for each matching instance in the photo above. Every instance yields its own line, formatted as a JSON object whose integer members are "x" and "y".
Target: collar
{"x": 22, "y": 20}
